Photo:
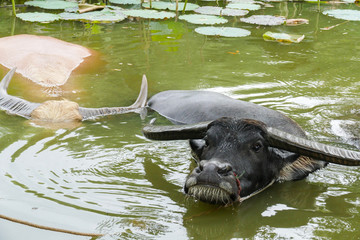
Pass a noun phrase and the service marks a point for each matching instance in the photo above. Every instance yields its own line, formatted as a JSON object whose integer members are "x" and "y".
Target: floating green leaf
{"x": 223, "y": 31}
{"x": 72, "y": 16}
{"x": 266, "y": 20}
{"x": 149, "y": 14}
{"x": 38, "y": 17}
{"x": 346, "y": 14}
{"x": 209, "y": 10}
{"x": 203, "y": 19}
{"x": 125, "y": 2}
{"x": 52, "y": 4}
{"x": 72, "y": 9}
{"x": 283, "y": 37}
{"x": 316, "y": 1}
{"x": 234, "y": 12}
{"x": 171, "y": 6}
{"x": 104, "y": 16}
{"x": 241, "y": 1}
{"x": 244, "y": 6}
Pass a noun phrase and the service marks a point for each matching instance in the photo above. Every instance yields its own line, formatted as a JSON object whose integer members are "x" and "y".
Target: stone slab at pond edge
{"x": 44, "y": 60}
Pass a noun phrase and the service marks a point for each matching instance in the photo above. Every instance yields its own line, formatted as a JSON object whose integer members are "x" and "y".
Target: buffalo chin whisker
{"x": 210, "y": 194}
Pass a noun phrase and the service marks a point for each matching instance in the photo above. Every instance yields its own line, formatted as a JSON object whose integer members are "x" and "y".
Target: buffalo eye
{"x": 257, "y": 146}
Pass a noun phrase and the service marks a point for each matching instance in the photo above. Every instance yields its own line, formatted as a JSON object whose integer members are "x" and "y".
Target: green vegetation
{"x": 203, "y": 19}
{"x": 101, "y": 13}
{"x": 149, "y": 14}
{"x": 51, "y": 4}
{"x": 223, "y": 31}
{"x": 283, "y": 37}
{"x": 265, "y": 20}
{"x": 171, "y": 6}
{"x": 345, "y": 14}
{"x": 38, "y": 17}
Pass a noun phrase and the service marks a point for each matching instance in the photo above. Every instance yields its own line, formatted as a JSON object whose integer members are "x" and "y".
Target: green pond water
{"x": 104, "y": 176}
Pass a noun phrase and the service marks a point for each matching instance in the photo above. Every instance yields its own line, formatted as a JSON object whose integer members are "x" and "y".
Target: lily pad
{"x": 38, "y": 17}
{"x": 149, "y": 14}
{"x": 266, "y": 20}
{"x": 104, "y": 16}
{"x": 234, "y": 12}
{"x": 345, "y": 14}
{"x": 244, "y": 6}
{"x": 283, "y": 37}
{"x": 125, "y": 2}
{"x": 171, "y": 6}
{"x": 203, "y": 19}
{"x": 223, "y": 31}
{"x": 243, "y": 1}
{"x": 210, "y": 10}
{"x": 52, "y": 4}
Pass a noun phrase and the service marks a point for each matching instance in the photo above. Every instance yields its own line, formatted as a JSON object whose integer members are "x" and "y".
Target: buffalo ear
{"x": 197, "y": 147}
{"x": 294, "y": 166}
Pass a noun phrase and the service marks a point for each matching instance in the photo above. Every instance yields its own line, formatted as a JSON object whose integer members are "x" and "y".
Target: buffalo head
{"x": 237, "y": 158}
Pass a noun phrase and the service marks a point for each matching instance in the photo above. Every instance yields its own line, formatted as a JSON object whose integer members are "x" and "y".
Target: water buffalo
{"x": 61, "y": 110}
{"x": 240, "y": 147}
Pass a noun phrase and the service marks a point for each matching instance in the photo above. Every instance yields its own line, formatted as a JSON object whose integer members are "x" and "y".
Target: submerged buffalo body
{"x": 240, "y": 147}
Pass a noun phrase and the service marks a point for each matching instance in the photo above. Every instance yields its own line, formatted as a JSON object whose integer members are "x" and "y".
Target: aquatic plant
{"x": 51, "y": 4}
{"x": 211, "y": 10}
{"x": 103, "y": 16}
{"x": 149, "y": 14}
{"x": 283, "y": 37}
{"x": 266, "y": 20}
{"x": 38, "y": 17}
{"x": 171, "y": 6}
{"x": 203, "y": 19}
{"x": 244, "y": 6}
{"x": 223, "y": 31}
{"x": 345, "y": 14}
{"x": 125, "y": 2}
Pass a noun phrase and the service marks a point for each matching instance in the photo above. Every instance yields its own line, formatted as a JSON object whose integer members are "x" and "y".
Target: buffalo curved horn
{"x": 316, "y": 150}
{"x": 176, "y": 132}
{"x": 91, "y": 113}
{"x": 21, "y": 107}
{"x": 12, "y": 104}
{"x": 276, "y": 138}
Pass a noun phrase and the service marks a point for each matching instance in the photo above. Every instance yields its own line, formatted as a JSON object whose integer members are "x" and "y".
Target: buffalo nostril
{"x": 198, "y": 170}
{"x": 225, "y": 169}
{"x": 202, "y": 165}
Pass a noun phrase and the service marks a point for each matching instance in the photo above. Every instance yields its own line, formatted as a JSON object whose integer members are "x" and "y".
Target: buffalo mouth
{"x": 220, "y": 195}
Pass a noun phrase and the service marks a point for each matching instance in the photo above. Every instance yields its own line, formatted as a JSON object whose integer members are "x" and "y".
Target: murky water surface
{"x": 104, "y": 176}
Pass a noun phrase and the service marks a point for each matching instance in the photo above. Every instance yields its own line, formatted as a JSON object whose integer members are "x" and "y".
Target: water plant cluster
{"x": 119, "y": 10}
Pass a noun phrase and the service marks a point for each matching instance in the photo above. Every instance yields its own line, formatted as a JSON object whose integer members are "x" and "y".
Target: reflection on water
{"x": 104, "y": 176}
